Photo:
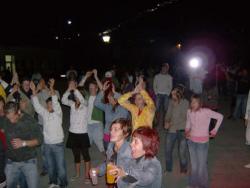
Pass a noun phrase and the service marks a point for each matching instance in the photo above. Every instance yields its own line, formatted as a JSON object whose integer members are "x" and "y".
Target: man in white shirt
{"x": 163, "y": 84}
{"x": 42, "y": 95}
{"x": 53, "y": 136}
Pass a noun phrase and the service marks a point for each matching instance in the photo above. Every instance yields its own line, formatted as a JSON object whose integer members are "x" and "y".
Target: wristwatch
{"x": 24, "y": 144}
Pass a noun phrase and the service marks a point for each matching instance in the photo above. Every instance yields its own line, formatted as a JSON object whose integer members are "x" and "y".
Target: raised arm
{"x": 56, "y": 105}
{"x": 79, "y": 96}
{"x": 84, "y": 79}
{"x": 148, "y": 100}
{"x": 35, "y": 101}
{"x": 124, "y": 101}
{"x": 98, "y": 101}
{"x": 65, "y": 100}
{"x": 99, "y": 83}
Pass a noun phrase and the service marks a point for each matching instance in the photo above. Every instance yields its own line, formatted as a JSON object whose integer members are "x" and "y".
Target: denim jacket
{"x": 123, "y": 157}
{"x": 110, "y": 114}
{"x": 147, "y": 172}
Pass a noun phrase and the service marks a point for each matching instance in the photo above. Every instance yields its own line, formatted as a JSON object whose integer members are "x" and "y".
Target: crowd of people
{"x": 122, "y": 118}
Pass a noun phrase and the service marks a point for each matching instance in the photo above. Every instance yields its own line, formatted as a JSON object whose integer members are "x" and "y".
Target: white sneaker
{"x": 247, "y": 166}
{"x": 74, "y": 178}
{"x": 53, "y": 185}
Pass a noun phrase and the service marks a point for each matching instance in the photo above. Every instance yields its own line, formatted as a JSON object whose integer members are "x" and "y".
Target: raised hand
{"x": 113, "y": 88}
{"x": 32, "y": 87}
{"x": 105, "y": 86}
{"x": 88, "y": 74}
{"x": 15, "y": 88}
{"x": 94, "y": 71}
{"x": 137, "y": 89}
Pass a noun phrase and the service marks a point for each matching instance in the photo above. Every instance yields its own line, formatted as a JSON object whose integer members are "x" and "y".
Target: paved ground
{"x": 227, "y": 156}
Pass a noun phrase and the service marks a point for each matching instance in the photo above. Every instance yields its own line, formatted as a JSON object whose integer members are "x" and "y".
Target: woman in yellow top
{"x": 2, "y": 92}
{"x": 143, "y": 110}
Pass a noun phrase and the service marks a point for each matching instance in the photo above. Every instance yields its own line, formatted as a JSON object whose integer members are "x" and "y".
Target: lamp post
{"x": 106, "y": 38}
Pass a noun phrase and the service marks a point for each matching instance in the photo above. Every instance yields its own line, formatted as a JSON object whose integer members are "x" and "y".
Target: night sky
{"x": 21, "y": 23}
{"x": 37, "y": 24}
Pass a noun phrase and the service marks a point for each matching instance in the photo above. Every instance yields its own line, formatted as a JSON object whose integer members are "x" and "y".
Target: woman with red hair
{"x": 145, "y": 170}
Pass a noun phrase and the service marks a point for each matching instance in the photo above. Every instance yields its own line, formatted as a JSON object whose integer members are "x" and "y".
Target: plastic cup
{"x": 110, "y": 177}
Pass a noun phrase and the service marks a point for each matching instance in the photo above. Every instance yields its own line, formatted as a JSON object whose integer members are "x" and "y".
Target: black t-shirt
{"x": 243, "y": 85}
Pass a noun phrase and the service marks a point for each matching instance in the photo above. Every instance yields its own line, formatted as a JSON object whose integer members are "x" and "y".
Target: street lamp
{"x": 106, "y": 38}
{"x": 69, "y": 22}
{"x": 178, "y": 46}
{"x": 194, "y": 62}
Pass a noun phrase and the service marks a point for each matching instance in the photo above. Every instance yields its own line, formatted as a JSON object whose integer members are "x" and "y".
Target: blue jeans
{"x": 44, "y": 160}
{"x": 95, "y": 132}
{"x": 162, "y": 102}
{"x": 56, "y": 164}
{"x": 198, "y": 157}
{"x": 240, "y": 108}
{"x": 28, "y": 170}
{"x": 182, "y": 150}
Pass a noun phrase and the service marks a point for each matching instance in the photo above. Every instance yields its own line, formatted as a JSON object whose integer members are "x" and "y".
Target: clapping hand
{"x": 94, "y": 71}
{"x": 106, "y": 85}
{"x": 33, "y": 87}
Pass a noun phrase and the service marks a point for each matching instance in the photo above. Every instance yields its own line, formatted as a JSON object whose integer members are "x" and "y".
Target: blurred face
{"x": 164, "y": 69}
{"x": 116, "y": 133}
{"x": 42, "y": 83}
{"x": 93, "y": 89}
{"x": 174, "y": 96}
{"x": 50, "y": 106}
{"x": 139, "y": 101}
{"x": 26, "y": 85}
{"x": 72, "y": 84}
{"x": 137, "y": 148}
{"x": 195, "y": 104}
{"x": 12, "y": 117}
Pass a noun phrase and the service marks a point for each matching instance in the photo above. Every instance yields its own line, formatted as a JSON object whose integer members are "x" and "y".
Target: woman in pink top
{"x": 197, "y": 133}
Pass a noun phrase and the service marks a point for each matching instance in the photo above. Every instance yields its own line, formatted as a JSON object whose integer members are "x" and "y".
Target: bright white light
{"x": 63, "y": 76}
{"x": 56, "y": 37}
{"x": 69, "y": 22}
{"x": 106, "y": 38}
{"x": 194, "y": 63}
{"x": 78, "y": 34}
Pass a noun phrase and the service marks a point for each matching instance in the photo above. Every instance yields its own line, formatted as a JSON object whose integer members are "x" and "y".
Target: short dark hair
{"x": 125, "y": 126}
{"x": 49, "y": 99}
{"x": 25, "y": 78}
{"x": 150, "y": 140}
{"x": 179, "y": 93}
{"x": 11, "y": 107}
